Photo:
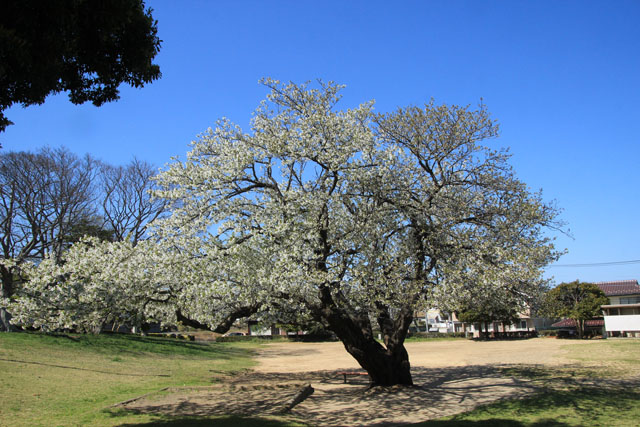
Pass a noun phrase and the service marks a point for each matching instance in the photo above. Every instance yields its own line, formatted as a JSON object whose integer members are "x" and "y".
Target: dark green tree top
{"x": 577, "y": 300}
{"x": 85, "y": 47}
{"x": 485, "y": 312}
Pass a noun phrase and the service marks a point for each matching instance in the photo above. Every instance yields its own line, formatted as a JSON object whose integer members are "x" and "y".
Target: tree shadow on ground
{"x": 492, "y": 422}
{"x": 130, "y": 344}
{"x": 224, "y": 421}
{"x": 610, "y": 403}
{"x": 51, "y": 365}
{"x": 439, "y": 392}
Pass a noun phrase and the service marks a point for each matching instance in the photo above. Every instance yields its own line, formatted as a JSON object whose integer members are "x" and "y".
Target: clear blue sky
{"x": 562, "y": 77}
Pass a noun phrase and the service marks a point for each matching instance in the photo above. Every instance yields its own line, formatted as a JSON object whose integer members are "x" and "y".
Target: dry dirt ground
{"x": 450, "y": 377}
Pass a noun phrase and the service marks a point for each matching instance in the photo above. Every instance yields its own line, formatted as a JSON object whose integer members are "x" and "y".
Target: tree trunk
{"x": 580, "y": 328}
{"x": 5, "y": 321}
{"x": 6, "y": 290}
{"x": 386, "y": 365}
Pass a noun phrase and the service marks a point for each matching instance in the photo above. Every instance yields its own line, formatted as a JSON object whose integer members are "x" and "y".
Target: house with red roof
{"x": 622, "y": 314}
{"x": 621, "y": 317}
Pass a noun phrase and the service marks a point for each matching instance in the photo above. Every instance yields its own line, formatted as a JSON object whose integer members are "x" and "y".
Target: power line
{"x": 598, "y": 264}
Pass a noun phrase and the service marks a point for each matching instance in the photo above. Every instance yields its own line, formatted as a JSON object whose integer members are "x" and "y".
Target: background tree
{"x": 502, "y": 303}
{"x": 486, "y": 313}
{"x": 85, "y": 47}
{"x": 126, "y": 202}
{"x": 577, "y": 300}
{"x": 92, "y": 226}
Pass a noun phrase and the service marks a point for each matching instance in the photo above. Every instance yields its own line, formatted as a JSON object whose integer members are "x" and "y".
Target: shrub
{"x": 437, "y": 335}
{"x": 294, "y": 338}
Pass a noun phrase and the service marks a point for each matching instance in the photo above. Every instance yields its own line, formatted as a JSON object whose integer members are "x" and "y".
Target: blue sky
{"x": 562, "y": 78}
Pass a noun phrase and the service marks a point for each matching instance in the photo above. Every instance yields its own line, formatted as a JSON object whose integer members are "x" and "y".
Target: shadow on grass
{"x": 493, "y": 422}
{"x": 224, "y": 421}
{"x": 583, "y": 405}
{"x": 51, "y": 365}
{"x": 123, "y": 344}
{"x": 135, "y": 344}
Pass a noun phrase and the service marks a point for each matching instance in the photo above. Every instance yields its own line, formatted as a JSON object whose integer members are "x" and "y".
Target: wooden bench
{"x": 345, "y": 373}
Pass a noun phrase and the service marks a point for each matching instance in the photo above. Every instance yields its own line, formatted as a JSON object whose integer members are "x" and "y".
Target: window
{"x": 630, "y": 300}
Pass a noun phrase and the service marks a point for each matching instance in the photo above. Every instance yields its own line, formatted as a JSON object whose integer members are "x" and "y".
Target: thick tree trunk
{"x": 386, "y": 365}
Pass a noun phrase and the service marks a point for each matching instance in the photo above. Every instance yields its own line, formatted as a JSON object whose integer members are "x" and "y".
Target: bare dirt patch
{"x": 450, "y": 376}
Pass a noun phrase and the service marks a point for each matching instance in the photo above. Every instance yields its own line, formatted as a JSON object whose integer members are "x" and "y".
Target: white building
{"x": 434, "y": 320}
{"x": 622, "y": 314}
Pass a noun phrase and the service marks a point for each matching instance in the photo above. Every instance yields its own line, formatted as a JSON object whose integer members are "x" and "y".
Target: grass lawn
{"x": 588, "y": 406}
{"x": 590, "y": 393}
{"x": 72, "y": 380}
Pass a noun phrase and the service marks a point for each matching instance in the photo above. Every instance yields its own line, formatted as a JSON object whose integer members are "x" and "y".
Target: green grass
{"x": 72, "y": 380}
{"x": 610, "y": 357}
{"x": 585, "y": 406}
{"x": 223, "y": 421}
{"x": 586, "y": 393}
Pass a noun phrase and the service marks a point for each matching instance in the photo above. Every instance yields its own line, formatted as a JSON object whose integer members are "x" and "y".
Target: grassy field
{"x": 596, "y": 391}
{"x": 72, "y": 380}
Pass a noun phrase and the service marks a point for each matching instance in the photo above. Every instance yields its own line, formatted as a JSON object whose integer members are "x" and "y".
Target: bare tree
{"x": 69, "y": 195}
{"x": 127, "y": 205}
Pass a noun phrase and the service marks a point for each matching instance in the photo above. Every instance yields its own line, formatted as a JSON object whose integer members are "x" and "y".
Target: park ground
{"x": 533, "y": 382}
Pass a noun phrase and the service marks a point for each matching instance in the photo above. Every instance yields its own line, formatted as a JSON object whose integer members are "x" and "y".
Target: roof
{"x": 570, "y": 323}
{"x": 621, "y": 287}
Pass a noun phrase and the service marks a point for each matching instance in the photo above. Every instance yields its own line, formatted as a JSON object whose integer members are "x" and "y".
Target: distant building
{"x": 621, "y": 317}
{"x": 434, "y": 320}
{"x": 622, "y": 314}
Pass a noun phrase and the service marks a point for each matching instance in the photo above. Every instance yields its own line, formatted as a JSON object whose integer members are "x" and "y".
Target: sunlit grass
{"x": 588, "y": 406}
{"x": 75, "y": 380}
{"x": 70, "y": 380}
{"x": 584, "y": 393}
{"x": 611, "y": 356}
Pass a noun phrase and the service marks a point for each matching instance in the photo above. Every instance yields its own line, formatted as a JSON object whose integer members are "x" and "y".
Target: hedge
{"x": 292, "y": 338}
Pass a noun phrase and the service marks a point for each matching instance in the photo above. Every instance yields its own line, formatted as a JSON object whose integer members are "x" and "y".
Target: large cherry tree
{"x": 349, "y": 218}
{"x": 356, "y": 219}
